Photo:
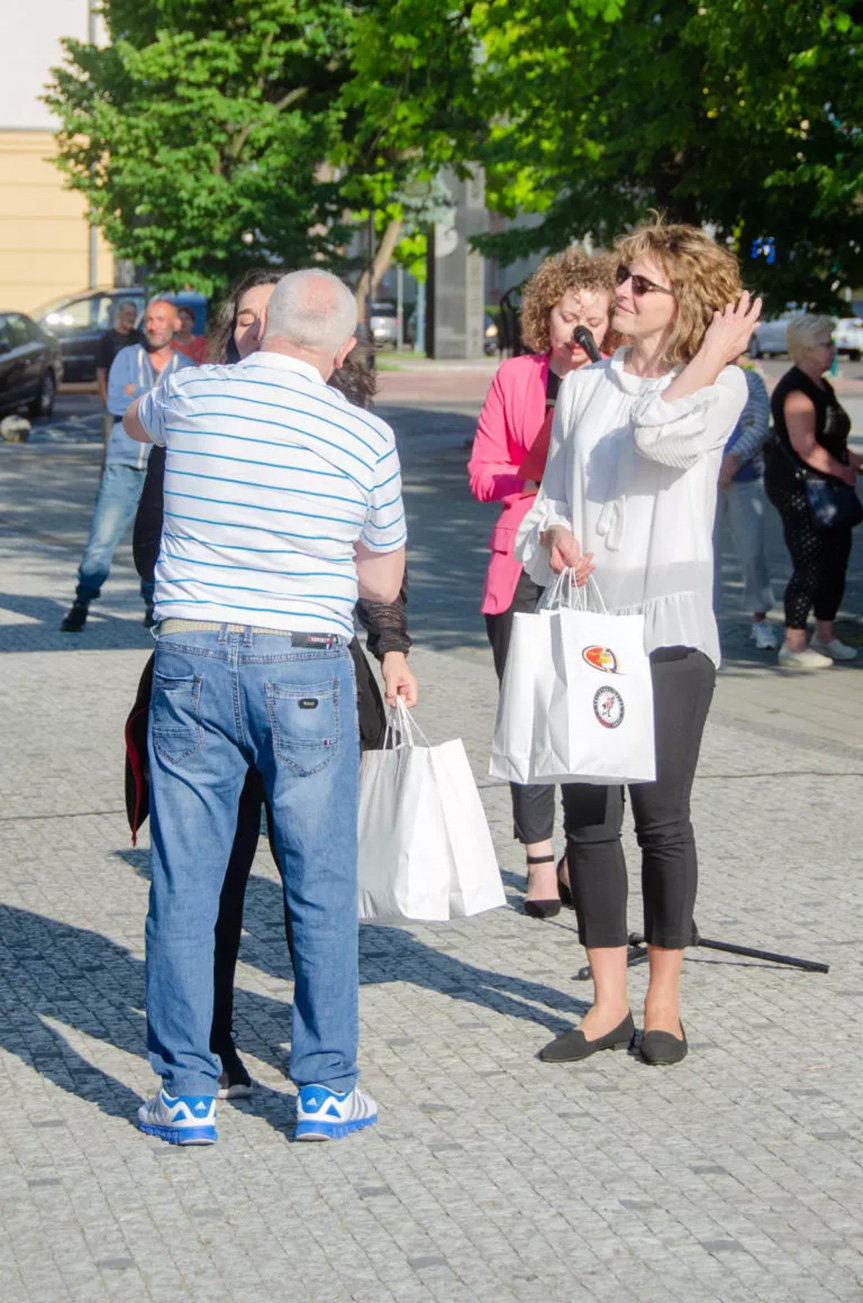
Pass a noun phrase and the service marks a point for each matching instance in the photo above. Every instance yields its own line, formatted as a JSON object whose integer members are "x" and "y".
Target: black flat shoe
{"x": 541, "y": 908}
{"x": 574, "y": 1045}
{"x": 662, "y": 1048}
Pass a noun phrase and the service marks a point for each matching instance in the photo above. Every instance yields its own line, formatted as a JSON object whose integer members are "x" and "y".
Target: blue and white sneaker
{"x": 180, "y": 1119}
{"x": 324, "y": 1114}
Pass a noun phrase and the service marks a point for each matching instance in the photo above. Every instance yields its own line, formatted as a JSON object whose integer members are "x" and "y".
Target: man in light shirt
{"x": 282, "y": 506}
{"x": 134, "y": 370}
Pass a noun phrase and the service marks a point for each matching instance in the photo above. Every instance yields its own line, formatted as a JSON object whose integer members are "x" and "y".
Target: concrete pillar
{"x": 456, "y": 283}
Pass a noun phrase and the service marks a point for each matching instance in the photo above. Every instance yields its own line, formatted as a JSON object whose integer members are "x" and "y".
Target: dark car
{"x": 30, "y": 367}
{"x": 80, "y": 320}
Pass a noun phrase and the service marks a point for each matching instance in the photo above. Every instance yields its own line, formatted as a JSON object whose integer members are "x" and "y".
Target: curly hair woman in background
{"x": 569, "y": 290}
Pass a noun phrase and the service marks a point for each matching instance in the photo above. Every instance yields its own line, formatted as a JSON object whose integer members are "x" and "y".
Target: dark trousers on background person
{"x": 229, "y": 924}
{"x": 683, "y": 681}
{"x": 819, "y": 556}
{"x": 532, "y": 805}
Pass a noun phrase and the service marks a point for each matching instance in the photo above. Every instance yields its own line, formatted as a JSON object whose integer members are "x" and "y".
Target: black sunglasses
{"x": 640, "y": 284}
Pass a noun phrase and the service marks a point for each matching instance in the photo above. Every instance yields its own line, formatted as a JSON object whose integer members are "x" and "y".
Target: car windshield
{"x": 383, "y": 309}
{"x": 96, "y": 308}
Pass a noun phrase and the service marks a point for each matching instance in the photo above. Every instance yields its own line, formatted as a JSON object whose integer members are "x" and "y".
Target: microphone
{"x": 581, "y": 335}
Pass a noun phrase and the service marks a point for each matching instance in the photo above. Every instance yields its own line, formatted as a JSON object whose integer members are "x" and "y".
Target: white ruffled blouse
{"x": 634, "y": 478}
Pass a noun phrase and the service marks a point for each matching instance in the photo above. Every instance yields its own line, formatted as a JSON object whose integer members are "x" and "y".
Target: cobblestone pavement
{"x": 735, "y": 1176}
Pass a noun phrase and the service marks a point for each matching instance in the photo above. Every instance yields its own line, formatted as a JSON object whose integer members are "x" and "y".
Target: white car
{"x": 768, "y": 337}
{"x": 848, "y": 337}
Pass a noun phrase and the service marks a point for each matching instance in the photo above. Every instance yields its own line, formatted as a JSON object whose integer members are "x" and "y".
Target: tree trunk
{"x": 383, "y": 258}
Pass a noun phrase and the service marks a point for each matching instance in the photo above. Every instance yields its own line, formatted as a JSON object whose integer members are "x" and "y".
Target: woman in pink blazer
{"x": 570, "y": 289}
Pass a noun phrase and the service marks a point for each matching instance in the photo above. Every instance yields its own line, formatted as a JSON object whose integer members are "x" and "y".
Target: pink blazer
{"x": 510, "y": 420}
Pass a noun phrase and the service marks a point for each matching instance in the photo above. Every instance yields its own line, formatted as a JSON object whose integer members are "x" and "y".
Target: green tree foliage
{"x": 198, "y": 135}
{"x": 746, "y": 115}
{"x": 208, "y": 119}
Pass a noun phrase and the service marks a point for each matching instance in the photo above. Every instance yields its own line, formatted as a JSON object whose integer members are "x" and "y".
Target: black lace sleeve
{"x": 386, "y": 623}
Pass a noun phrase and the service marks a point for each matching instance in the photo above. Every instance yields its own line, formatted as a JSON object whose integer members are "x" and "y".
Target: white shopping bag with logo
{"x": 576, "y": 701}
{"x": 425, "y": 850}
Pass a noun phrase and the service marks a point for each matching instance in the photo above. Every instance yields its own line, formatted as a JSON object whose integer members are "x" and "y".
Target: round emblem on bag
{"x": 608, "y": 707}
{"x": 601, "y": 658}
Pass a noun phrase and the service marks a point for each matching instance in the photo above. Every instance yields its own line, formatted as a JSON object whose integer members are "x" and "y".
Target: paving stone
{"x": 734, "y": 1176}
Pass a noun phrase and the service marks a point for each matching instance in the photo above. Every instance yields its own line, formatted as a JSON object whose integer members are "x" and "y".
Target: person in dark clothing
{"x": 236, "y": 335}
{"x": 812, "y": 431}
{"x": 121, "y": 335}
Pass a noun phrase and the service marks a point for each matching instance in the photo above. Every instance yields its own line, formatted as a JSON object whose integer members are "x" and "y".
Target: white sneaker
{"x": 836, "y": 650}
{"x": 180, "y": 1119}
{"x": 803, "y": 660}
{"x": 763, "y": 635}
{"x": 323, "y": 1114}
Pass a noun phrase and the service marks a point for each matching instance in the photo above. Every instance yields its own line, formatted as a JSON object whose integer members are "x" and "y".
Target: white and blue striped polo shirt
{"x": 271, "y": 477}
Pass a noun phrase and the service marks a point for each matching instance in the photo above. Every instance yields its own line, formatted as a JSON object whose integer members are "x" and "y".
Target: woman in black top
{"x": 237, "y": 335}
{"x": 812, "y": 433}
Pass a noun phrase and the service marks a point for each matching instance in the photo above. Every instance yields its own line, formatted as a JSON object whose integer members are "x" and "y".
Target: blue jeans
{"x": 223, "y": 701}
{"x": 116, "y": 504}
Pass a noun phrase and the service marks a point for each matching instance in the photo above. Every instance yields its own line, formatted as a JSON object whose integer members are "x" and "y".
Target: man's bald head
{"x": 160, "y": 323}
{"x": 311, "y": 314}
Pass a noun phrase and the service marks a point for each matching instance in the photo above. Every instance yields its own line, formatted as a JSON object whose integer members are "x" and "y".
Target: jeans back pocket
{"x": 305, "y": 724}
{"x": 175, "y": 711}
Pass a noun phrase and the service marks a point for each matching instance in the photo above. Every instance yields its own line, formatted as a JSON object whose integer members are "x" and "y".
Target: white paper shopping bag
{"x": 475, "y": 883}
{"x": 604, "y": 724}
{"x": 425, "y": 850}
{"x": 528, "y": 685}
{"x": 576, "y": 702}
{"x": 403, "y": 861}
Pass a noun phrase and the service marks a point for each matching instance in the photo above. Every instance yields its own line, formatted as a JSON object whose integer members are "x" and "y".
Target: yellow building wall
{"x": 44, "y": 233}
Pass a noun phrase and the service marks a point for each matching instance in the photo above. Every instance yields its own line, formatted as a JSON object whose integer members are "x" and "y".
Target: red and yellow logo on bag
{"x": 601, "y": 658}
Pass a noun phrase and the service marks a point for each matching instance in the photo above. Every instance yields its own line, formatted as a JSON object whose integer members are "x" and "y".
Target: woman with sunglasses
{"x": 629, "y": 493}
{"x": 569, "y": 290}
{"x": 238, "y": 332}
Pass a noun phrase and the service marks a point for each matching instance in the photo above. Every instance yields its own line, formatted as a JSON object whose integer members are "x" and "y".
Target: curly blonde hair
{"x": 704, "y": 276}
{"x": 571, "y": 270}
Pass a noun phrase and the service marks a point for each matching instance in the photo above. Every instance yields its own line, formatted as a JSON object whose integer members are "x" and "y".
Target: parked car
{"x": 490, "y": 341}
{"x": 80, "y": 320}
{"x": 768, "y": 337}
{"x": 384, "y": 323}
{"x": 491, "y": 337}
{"x": 848, "y": 336}
{"x": 31, "y": 367}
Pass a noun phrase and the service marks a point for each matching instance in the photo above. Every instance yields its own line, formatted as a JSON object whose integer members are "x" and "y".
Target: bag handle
{"x": 565, "y": 592}
{"x": 400, "y": 722}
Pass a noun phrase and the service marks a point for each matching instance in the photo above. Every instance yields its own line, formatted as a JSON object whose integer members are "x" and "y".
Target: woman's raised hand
{"x": 728, "y": 333}
{"x": 564, "y": 553}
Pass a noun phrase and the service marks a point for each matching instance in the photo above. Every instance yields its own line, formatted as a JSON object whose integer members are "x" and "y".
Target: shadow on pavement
{"x": 84, "y": 981}
{"x": 447, "y": 528}
{"x": 39, "y": 630}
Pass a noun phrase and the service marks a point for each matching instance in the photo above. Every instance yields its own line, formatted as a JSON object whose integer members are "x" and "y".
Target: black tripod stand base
{"x": 636, "y": 954}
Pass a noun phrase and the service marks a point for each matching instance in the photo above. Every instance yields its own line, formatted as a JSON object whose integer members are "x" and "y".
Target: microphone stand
{"x": 637, "y": 953}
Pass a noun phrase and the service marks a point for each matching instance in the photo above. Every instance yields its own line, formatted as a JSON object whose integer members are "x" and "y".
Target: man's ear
{"x": 343, "y": 352}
